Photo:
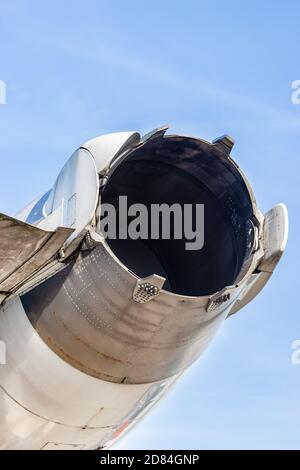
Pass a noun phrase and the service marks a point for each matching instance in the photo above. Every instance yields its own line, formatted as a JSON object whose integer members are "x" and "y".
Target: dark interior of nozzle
{"x": 185, "y": 171}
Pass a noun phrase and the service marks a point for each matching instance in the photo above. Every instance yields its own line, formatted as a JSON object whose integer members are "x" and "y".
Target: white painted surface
{"x": 275, "y": 235}
{"x": 106, "y": 147}
{"x": 73, "y": 198}
{"x": 24, "y": 213}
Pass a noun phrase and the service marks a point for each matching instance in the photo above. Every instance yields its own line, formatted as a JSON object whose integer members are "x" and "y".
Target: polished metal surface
{"x": 107, "y": 319}
{"x": 147, "y": 288}
{"x": 88, "y": 316}
{"x": 96, "y": 330}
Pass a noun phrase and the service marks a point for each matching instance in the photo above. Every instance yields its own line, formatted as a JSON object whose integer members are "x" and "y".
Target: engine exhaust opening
{"x": 184, "y": 170}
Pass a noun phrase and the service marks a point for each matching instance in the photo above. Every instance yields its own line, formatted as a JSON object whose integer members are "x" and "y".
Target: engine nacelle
{"x": 141, "y": 310}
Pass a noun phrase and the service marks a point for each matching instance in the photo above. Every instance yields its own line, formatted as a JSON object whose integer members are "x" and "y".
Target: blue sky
{"x": 74, "y": 70}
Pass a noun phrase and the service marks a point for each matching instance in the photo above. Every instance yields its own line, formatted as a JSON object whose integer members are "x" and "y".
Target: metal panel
{"x": 275, "y": 233}
{"x": 24, "y": 249}
{"x": 73, "y": 199}
{"x": 88, "y": 316}
{"x": 106, "y": 148}
{"x": 60, "y": 446}
{"x": 43, "y": 399}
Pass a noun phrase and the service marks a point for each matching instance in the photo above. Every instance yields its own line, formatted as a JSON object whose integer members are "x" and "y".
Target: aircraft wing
{"x": 24, "y": 249}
